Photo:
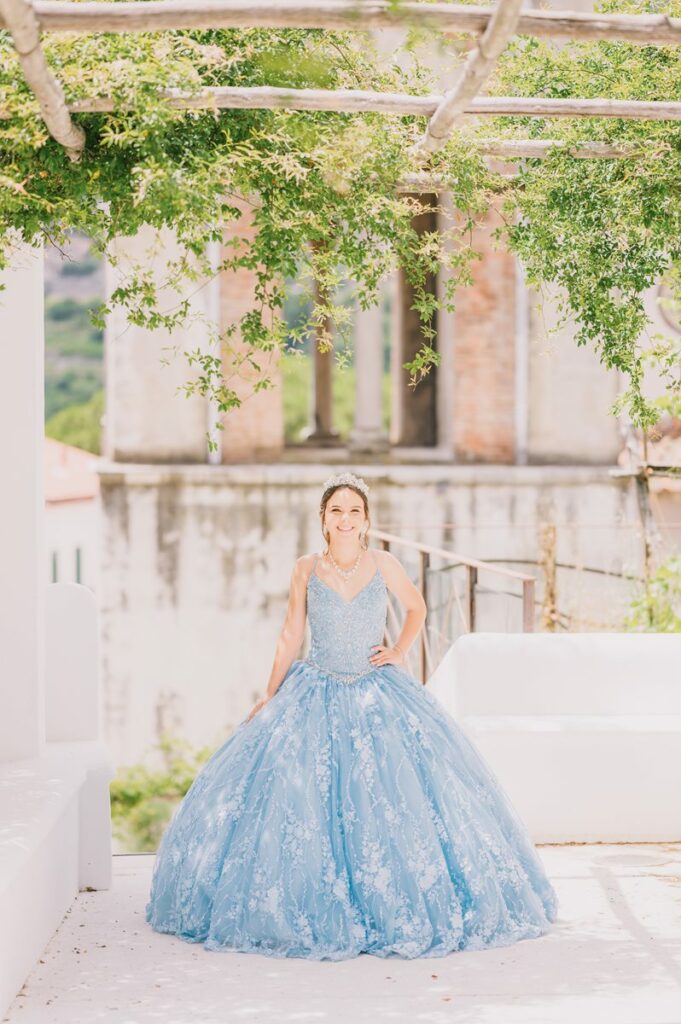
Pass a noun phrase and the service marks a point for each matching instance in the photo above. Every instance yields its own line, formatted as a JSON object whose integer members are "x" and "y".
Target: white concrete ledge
{"x": 55, "y": 817}
{"x": 578, "y": 779}
{"x": 55, "y": 840}
{"x": 582, "y": 730}
{"x": 308, "y": 474}
{"x": 575, "y": 724}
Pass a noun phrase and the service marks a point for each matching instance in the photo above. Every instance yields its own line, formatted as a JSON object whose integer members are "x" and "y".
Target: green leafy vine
{"x": 321, "y": 186}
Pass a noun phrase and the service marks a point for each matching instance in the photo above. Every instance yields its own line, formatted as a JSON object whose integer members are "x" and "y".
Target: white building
{"x": 72, "y": 514}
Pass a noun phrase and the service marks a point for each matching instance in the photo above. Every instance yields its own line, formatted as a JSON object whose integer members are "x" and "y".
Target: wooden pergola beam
{"x": 20, "y": 20}
{"x": 512, "y": 149}
{"x": 475, "y": 71}
{"x": 19, "y": 17}
{"x": 157, "y": 15}
{"x": 527, "y": 106}
{"x": 357, "y": 100}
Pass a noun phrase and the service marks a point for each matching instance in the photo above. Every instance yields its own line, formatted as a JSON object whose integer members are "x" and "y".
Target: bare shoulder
{"x": 303, "y": 566}
{"x": 398, "y": 580}
{"x": 388, "y": 563}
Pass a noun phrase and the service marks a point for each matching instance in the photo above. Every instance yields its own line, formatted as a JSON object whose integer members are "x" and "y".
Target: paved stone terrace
{"x": 613, "y": 955}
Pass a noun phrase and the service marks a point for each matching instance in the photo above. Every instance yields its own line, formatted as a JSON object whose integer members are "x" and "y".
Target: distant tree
{"x": 81, "y": 268}
{"x": 79, "y": 425}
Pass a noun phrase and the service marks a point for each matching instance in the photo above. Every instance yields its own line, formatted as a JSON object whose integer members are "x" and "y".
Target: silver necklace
{"x": 345, "y": 573}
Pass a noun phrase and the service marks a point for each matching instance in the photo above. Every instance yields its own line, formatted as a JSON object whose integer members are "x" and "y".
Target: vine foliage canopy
{"x": 115, "y": 115}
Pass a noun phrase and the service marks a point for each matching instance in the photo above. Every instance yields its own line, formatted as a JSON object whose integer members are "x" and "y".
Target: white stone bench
{"x": 582, "y": 730}
{"x": 55, "y": 819}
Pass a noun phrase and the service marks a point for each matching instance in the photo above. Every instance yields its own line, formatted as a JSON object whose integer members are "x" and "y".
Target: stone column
{"x": 368, "y": 434}
{"x": 570, "y": 392}
{"x": 147, "y": 419}
{"x": 23, "y": 577}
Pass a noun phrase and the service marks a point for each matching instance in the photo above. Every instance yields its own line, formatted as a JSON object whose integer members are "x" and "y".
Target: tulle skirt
{"x": 348, "y": 818}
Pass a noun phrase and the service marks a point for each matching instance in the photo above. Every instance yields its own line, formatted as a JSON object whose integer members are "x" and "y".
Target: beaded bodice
{"x": 343, "y": 632}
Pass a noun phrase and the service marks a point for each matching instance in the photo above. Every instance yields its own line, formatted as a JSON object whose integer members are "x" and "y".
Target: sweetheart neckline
{"x": 333, "y": 591}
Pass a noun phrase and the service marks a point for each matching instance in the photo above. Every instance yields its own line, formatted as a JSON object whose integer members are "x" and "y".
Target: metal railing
{"x": 466, "y": 604}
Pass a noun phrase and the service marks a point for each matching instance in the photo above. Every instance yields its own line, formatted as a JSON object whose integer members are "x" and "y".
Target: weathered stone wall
{"x": 197, "y": 562}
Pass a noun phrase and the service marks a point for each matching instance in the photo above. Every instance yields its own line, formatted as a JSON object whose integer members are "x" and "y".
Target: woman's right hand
{"x": 257, "y": 706}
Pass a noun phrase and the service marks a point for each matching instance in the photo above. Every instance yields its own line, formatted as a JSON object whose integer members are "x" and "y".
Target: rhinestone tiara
{"x": 344, "y": 479}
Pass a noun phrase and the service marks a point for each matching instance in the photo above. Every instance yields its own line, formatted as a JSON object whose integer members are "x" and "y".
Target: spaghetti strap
{"x": 314, "y": 564}
{"x": 378, "y": 568}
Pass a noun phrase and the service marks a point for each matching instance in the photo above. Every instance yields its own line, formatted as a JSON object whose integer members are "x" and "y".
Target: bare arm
{"x": 409, "y": 595}
{"x": 292, "y": 632}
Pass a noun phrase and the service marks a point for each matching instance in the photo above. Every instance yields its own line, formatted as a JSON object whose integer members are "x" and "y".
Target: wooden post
{"x": 646, "y": 518}
{"x": 385, "y": 544}
{"x": 472, "y": 578}
{"x": 548, "y": 565}
{"x": 528, "y": 606}
{"x": 425, "y": 563}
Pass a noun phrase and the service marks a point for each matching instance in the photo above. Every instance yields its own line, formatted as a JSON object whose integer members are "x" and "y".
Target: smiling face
{"x": 344, "y": 515}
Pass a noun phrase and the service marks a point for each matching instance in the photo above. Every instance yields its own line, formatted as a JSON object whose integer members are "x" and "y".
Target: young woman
{"x": 348, "y": 813}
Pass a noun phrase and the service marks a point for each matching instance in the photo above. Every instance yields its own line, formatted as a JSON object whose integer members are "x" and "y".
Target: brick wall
{"x": 254, "y": 431}
{"x": 484, "y": 355}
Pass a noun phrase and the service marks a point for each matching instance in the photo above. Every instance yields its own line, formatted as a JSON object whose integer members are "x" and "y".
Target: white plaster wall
{"x": 196, "y": 567}
{"x": 146, "y": 418}
{"x": 570, "y": 393}
{"x": 22, "y": 531}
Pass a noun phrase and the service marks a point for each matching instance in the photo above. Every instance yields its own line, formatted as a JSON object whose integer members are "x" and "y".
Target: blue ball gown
{"x": 350, "y": 815}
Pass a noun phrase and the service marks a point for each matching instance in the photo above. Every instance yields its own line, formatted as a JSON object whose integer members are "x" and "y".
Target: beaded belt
{"x": 343, "y": 677}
